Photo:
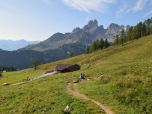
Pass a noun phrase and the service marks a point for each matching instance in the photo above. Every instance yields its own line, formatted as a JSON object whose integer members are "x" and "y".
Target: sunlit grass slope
{"x": 46, "y": 95}
{"x": 18, "y": 76}
{"x": 124, "y": 88}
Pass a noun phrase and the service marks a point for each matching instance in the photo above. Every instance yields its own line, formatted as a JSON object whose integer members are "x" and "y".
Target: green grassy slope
{"x": 124, "y": 88}
{"x": 46, "y": 95}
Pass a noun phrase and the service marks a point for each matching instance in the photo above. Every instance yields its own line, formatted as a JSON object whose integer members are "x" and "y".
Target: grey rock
{"x": 76, "y": 30}
{"x": 91, "y": 26}
{"x": 5, "y": 84}
{"x": 85, "y": 36}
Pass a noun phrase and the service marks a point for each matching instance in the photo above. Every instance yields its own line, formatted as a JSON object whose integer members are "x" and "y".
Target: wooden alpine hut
{"x": 67, "y": 68}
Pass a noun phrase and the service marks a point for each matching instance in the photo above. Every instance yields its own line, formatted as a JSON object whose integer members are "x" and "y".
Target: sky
{"x": 37, "y": 20}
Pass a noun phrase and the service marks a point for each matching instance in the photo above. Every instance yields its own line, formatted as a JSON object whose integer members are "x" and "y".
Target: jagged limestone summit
{"x": 84, "y": 36}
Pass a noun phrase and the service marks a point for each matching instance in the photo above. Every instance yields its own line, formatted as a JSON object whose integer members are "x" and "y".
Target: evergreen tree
{"x": 116, "y": 41}
{"x": 148, "y": 26}
{"x": 139, "y": 28}
{"x": 143, "y": 30}
{"x": 35, "y": 63}
{"x": 129, "y": 34}
{"x": 109, "y": 44}
{"x": 87, "y": 50}
{"x": 93, "y": 47}
{"x": 101, "y": 44}
{"x": 106, "y": 43}
{"x": 1, "y": 71}
{"x": 122, "y": 36}
{"x": 151, "y": 26}
{"x": 97, "y": 43}
{"x": 70, "y": 54}
{"x": 134, "y": 33}
{"x": 8, "y": 68}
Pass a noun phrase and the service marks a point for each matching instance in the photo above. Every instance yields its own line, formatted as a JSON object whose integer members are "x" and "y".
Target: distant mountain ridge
{"x": 11, "y": 45}
{"x": 84, "y": 36}
{"x": 21, "y": 59}
{"x": 1, "y": 50}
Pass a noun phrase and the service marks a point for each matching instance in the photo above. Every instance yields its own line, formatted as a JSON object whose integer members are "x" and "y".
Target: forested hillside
{"x": 22, "y": 59}
{"x": 135, "y": 32}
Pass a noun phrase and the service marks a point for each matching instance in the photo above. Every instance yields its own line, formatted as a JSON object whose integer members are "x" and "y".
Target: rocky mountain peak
{"x": 58, "y": 33}
{"x": 92, "y": 23}
{"x": 76, "y": 30}
{"x": 91, "y": 26}
{"x": 113, "y": 26}
{"x": 86, "y": 35}
{"x": 126, "y": 28}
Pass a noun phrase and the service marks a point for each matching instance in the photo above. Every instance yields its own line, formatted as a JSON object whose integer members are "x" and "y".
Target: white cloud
{"x": 87, "y": 5}
{"x": 148, "y": 13}
{"x": 139, "y": 6}
{"x": 121, "y": 10}
{"x": 47, "y": 1}
{"x": 88, "y": 18}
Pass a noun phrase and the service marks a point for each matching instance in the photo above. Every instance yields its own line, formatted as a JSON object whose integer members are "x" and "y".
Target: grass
{"x": 18, "y": 76}
{"x": 46, "y": 95}
{"x": 124, "y": 88}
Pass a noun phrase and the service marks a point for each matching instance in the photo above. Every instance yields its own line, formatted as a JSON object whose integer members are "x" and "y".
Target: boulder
{"x": 5, "y": 84}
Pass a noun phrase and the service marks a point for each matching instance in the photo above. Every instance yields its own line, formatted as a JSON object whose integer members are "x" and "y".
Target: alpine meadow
{"x": 76, "y": 57}
{"x": 124, "y": 87}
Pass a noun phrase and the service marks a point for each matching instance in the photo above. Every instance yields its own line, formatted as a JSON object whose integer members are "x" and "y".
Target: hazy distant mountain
{"x": 11, "y": 45}
{"x": 85, "y": 36}
{"x": 1, "y": 50}
{"x": 21, "y": 59}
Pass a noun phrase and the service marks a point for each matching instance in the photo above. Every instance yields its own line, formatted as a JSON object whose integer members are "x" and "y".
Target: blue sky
{"x": 39, "y": 19}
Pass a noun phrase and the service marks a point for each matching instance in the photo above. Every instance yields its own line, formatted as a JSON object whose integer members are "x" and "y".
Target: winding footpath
{"x": 43, "y": 75}
{"x": 75, "y": 93}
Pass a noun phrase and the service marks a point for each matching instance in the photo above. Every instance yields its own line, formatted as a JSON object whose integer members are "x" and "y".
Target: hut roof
{"x": 69, "y": 67}
{"x": 74, "y": 68}
{"x": 62, "y": 66}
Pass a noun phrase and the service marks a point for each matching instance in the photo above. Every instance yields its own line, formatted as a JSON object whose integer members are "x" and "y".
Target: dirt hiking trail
{"x": 75, "y": 93}
{"x": 43, "y": 75}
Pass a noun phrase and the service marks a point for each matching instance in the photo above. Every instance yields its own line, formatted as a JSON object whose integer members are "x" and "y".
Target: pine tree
{"x": 101, "y": 44}
{"x": 148, "y": 26}
{"x": 106, "y": 43}
{"x": 139, "y": 30}
{"x": 129, "y": 33}
{"x": 87, "y": 50}
{"x": 116, "y": 41}
{"x": 0, "y": 71}
{"x": 93, "y": 47}
{"x": 97, "y": 43}
{"x": 109, "y": 44}
{"x": 70, "y": 54}
{"x": 151, "y": 26}
{"x": 143, "y": 30}
{"x": 35, "y": 63}
{"x": 122, "y": 36}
